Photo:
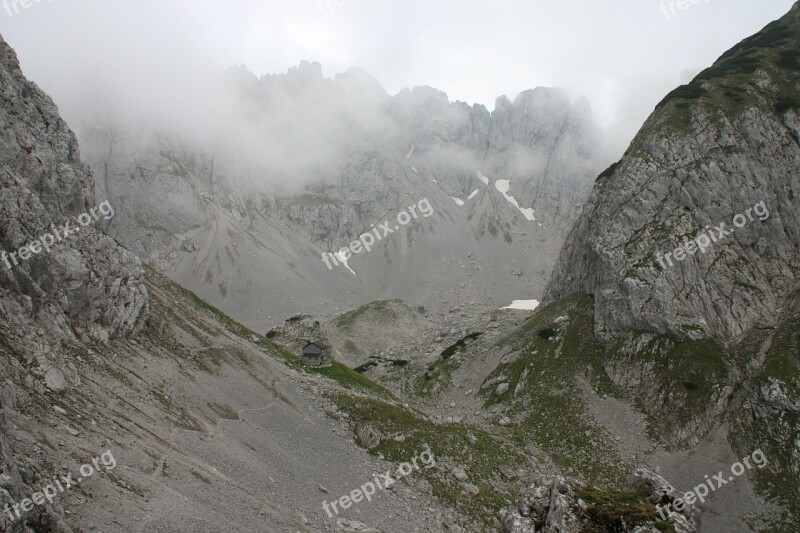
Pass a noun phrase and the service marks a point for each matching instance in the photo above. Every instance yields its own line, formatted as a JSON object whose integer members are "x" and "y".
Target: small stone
{"x": 368, "y": 437}
{"x": 508, "y": 474}
{"x": 55, "y": 380}
{"x": 471, "y": 489}
{"x": 460, "y": 475}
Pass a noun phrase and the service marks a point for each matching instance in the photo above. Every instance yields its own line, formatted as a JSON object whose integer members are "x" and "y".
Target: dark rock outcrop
{"x": 552, "y": 504}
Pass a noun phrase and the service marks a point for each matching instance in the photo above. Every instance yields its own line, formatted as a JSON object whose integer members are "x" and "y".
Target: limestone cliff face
{"x": 727, "y": 144}
{"x": 86, "y": 287}
{"x": 83, "y": 287}
{"x": 312, "y": 163}
{"x": 543, "y": 143}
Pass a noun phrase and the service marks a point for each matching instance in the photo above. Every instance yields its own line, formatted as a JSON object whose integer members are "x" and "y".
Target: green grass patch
{"x": 549, "y": 406}
{"x": 448, "y": 443}
{"x": 350, "y": 379}
{"x": 380, "y": 310}
{"x": 617, "y": 510}
{"x": 786, "y": 102}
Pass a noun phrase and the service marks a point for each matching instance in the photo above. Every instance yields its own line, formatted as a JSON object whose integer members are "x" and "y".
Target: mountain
{"x": 716, "y": 163}
{"x": 134, "y": 405}
{"x": 686, "y": 257}
{"x": 304, "y": 165}
{"x": 128, "y": 403}
{"x": 647, "y": 365}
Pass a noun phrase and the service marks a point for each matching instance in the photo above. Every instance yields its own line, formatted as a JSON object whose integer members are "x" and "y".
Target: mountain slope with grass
{"x": 212, "y": 427}
{"x": 696, "y": 334}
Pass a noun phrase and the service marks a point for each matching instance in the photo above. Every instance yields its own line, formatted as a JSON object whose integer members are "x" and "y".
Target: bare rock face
{"x": 662, "y": 493}
{"x": 48, "y": 517}
{"x": 550, "y": 501}
{"x": 55, "y": 288}
{"x": 708, "y": 155}
{"x": 79, "y": 286}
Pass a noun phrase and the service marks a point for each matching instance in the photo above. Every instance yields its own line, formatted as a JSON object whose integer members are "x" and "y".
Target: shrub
{"x": 785, "y": 103}
{"x": 547, "y": 333}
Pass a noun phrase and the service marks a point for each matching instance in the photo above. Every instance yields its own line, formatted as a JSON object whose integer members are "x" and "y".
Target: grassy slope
{"x": 691, "y": 378}
{"x": 379, "y": 311}
{"x": 438, "y": 375}
{"x": 368, "y": 403}
{"x": 550, "y": 412}
{"x": 343, "y": 375}
{"x": 482, "y": 461}
{"x": 550, "y": 409}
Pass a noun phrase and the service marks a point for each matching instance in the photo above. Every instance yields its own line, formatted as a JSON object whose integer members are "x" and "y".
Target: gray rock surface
{"x": 698, "y": 163}
{"x": 86, "y": 286}
{"x": 549, "y": 501}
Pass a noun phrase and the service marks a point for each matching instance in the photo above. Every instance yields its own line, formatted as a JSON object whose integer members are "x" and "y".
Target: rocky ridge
{"x": 347, "y": 157}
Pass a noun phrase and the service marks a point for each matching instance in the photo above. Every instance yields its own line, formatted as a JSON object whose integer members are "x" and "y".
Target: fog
{"x": 206, "y": 70}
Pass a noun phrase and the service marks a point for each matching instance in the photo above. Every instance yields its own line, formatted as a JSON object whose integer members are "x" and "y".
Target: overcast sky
{"x": 622, "y": 55}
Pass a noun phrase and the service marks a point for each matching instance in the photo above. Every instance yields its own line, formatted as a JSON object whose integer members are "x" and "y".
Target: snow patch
{"x": 473, "y": 194}
{"x": 415, "y": 170}
{"x": 483, "y": 178}
{"x": 411, "y": 152}
{"x": 458, "y": 201}
{"x": 503, "y": 186}
{"x": 523, "y": 305}
{"x": 343, "y": 260}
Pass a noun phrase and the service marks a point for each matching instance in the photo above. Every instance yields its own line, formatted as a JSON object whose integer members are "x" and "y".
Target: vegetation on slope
{"x": 478, "y": 453}
{"x": 544, "y": 398}
{"x": 772, "y": 423}
{"x": 380, "y": 311}
{"x": 438, "y": 375}
{"x": 557, "y": 350}
{"x": 730, "y": 86}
